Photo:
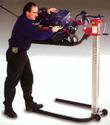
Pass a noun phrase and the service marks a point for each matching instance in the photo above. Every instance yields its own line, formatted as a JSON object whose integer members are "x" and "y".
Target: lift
{"x": 96, "y": 112}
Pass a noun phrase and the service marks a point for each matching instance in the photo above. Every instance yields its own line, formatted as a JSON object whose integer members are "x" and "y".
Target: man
{"x": 18, "y": 64}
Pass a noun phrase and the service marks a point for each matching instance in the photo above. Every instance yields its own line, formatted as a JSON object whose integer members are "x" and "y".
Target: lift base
{"x": 97, "y": 116}
{"x": 64, "y": 117}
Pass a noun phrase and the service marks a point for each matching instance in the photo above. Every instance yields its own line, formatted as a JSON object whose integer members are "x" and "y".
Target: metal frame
{"x": 96, "y": 113}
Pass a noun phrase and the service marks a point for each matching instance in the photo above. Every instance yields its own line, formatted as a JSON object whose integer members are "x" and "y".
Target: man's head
{"x": 30, "y": 10}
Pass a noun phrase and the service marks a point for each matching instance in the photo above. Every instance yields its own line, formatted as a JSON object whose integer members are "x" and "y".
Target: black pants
{"x": 18, "y": 69}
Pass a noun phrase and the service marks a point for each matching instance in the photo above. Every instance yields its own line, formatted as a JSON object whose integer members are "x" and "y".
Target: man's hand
{"x": 52, "y": 10}
{"x": 55, "y": 28}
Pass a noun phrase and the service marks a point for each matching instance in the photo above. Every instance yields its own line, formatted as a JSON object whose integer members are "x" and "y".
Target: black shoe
{"x": 10, "y": 113}
{"x": 33, "y": 107}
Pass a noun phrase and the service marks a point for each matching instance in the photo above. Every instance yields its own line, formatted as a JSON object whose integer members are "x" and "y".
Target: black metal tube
{"x": 64, "y": 117}
{"x": 73, "y": 103}
{"x": 8, "y": 11}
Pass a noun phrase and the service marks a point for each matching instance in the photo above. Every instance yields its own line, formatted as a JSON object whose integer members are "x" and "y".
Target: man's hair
{"x": 28, "y": 7}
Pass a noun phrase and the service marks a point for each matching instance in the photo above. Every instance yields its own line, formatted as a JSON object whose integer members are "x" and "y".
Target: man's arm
{"x": 33, "y": 33}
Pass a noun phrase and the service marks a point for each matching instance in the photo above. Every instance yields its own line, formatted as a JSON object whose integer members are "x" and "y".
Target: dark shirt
{"x": 24, "y": 33}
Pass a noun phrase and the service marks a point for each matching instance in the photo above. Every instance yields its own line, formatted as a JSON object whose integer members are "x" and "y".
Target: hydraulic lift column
{"x": 96, "y": 24}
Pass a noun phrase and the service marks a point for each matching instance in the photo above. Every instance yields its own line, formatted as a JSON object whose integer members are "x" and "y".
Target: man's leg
{"x": 15, "y": 64}
{"x": 26, "y": 84}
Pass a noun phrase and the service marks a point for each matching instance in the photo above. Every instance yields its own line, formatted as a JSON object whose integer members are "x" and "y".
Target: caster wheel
{"x": 104, "y": 112}
{"x": 97, "y": 117}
